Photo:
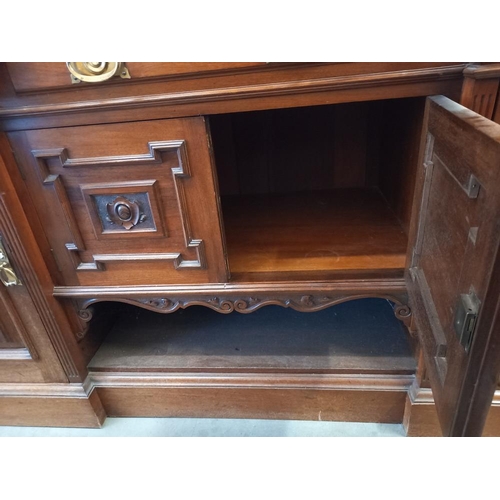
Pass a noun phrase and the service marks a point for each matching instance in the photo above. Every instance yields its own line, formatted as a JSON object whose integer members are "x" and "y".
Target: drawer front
{"x": 38, "y": 76}
{"x": 126, "y": 204}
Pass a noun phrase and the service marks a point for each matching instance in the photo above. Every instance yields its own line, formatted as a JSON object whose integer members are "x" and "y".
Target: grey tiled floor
{"x": 200, "y": 427}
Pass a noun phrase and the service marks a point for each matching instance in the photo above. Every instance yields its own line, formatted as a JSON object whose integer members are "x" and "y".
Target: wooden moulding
{"x": 245, "y": 305}
{"x": 421, "y": 419}
{"x": 296, "y": 404}
{"x": 321, "y": 397}
{"x": 50, "y": 405}
{"x": 247, "y": 91}
{"x": 180, "y": 171}
{"x": 243, "y": 298}
{"x": 357, "y": 398}
{"x": 351, "y": 287}
{"x": 289, "y": 87}
{"x": 36, "y": 293}
{"x": 65, "y": 182}
{"x": 30, "y": 76}
{"x": 206, "y": 365}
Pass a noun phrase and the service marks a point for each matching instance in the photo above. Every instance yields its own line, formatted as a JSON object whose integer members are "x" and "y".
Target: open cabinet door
{"x": 454, "y": 267}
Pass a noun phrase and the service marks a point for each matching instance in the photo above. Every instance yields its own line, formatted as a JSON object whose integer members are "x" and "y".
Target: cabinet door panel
{"x": 126, "y": 204}
{"x": 11, "y": 330}
{"x": 27, "y": 355}
{"x": 453, "y": 262}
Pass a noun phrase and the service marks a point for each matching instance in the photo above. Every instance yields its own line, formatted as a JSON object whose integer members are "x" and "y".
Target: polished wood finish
{"x": 39, "y": 319}
{"x": 50, "y": 405}
{"x": 40, "y": 76}
{"x": 279, "y": 87}
{"x": 158, "y": 163}
{"x": 337, "y": 230}
{"x": 305, "y": 150}
{"x": 294, "y": 404}
{"x": 454, "y": 241}
{"x": 421, "y": 419}
{"x": 243, "y": 297}
{"x": 13, "y": 333}
{"x": 480, "y": 89}
{"x": 88, "y": 214}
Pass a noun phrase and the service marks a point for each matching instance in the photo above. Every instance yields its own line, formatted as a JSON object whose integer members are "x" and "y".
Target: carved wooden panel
{"x": 124, "y": 201}
{"x": 246, "y": 303}
{"x": 124, "y": 209}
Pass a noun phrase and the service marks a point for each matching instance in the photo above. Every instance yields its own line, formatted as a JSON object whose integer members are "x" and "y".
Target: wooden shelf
{"x": 361, "y": 336}
{"x": 341, "y": 229}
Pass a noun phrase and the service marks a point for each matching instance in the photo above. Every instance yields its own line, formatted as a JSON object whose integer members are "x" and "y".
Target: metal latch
{"x": 7, "y": 274}
{"x": 466, "y": 317}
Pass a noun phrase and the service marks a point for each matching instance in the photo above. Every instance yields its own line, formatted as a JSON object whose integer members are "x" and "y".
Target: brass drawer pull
{"x": 7, "y": 274}
{"x": 94, "y": 72}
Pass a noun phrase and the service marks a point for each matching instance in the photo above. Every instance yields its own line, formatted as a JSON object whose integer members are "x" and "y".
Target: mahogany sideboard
{"x": 251, "y": 240}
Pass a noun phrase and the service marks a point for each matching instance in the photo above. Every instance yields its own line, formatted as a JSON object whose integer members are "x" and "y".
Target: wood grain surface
{"x": 337, "y": 230}
{"x": 453, "y": 251}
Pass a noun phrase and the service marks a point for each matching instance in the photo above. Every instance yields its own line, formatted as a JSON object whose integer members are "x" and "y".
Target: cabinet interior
{"x": 323, "y": 189}
{"x": 360, "y": 336}
{"x": 305, "y": 193}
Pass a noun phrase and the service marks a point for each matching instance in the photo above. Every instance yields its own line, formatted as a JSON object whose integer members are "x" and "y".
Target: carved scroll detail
{"x": 86, "y": 314}
{"x": 403, "y": 313}
{"x": 244, "y": 305}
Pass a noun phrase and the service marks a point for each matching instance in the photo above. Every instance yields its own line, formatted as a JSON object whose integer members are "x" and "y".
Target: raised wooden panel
{"x": 454, "y": 247}
{"x": 359, "y": 405}
{"x": 120, "y": 204}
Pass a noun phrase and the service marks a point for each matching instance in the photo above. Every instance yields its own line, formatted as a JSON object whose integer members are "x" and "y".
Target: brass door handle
{"x": 94, "y": 72}
{"x": 7, "y": 275}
